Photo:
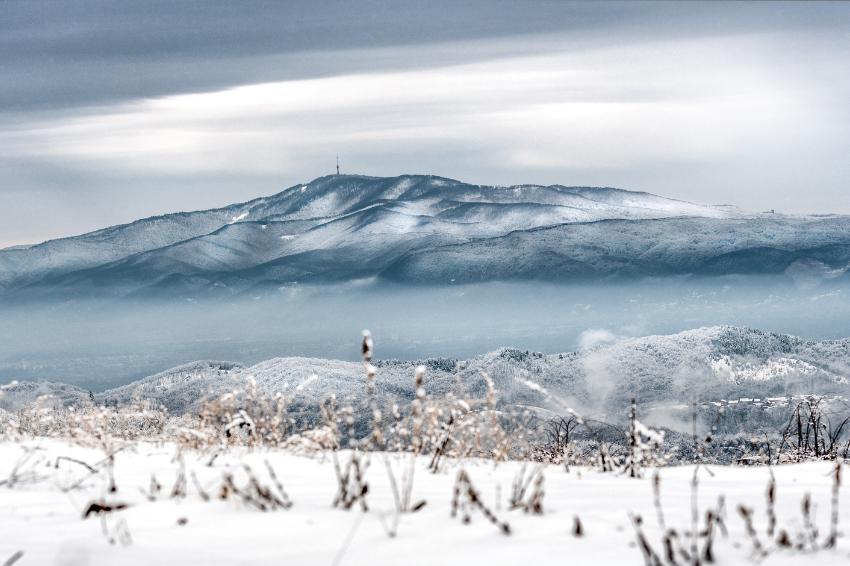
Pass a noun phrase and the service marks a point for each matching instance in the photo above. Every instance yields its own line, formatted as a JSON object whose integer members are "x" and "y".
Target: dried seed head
{"x": 419, "y": 376}
{"x": 578, "y": 528}
{"x": 367, "y": 346}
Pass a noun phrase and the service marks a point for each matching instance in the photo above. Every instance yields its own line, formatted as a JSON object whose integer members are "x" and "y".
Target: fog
{"x": 100, "y": 344}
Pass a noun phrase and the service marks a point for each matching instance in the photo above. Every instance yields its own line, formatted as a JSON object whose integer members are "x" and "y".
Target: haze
{"x": 102, "y": 344}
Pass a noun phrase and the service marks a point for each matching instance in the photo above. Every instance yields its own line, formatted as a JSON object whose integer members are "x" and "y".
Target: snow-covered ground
{"x": 42, "y": 518}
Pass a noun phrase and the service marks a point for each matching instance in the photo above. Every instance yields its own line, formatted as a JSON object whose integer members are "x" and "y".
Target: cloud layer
{"x": 753, "y": 115}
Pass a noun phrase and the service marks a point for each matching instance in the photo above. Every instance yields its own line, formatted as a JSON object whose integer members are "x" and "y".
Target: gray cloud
{"x": 63, "y": 53}
{"x": 59, "y": 54}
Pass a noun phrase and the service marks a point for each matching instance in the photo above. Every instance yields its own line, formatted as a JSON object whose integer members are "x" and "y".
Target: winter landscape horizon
{"x": 351, "y": 283}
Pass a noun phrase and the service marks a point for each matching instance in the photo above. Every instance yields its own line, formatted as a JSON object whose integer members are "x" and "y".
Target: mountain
{"x": 422, "y": 229}
{"x": 706, "y": 364}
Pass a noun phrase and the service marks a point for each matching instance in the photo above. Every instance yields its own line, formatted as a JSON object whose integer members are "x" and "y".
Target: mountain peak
{"x": 419, "y": 228}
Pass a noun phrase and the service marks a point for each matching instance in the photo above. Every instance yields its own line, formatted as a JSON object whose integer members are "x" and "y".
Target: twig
{"x": 107, "y": 460}
{"x": 287, "y": 502}
{"x": 201, "y": 491}
{"x": 833, "y": 503}
{"x": 465, "y": 495}
{"x": 347, "y": 541}
{"x": 14, "y": 558}
{"x": 101, "y": 507}
{"x": 747, "y": 514}
{"x": 75, "y": 461}
{"x": 656, "y": 499}
{"x": 650, "y": 557}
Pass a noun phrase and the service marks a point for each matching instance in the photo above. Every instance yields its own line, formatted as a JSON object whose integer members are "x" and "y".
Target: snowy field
{"x": 43, "y": 498}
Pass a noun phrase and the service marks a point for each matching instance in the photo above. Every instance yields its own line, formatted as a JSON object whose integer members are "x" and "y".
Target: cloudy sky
{"x": 113, "y": 110}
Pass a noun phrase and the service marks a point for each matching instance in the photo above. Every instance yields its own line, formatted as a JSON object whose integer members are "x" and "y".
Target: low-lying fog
{"x": 101, "y": 345}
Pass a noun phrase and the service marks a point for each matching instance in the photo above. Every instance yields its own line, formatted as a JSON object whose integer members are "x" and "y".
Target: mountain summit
{"x": 420, "y": 229}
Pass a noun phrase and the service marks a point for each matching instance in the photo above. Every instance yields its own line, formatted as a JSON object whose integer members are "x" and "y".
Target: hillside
{"x": 705, "y": 364}
{"x": 818, "y": 247}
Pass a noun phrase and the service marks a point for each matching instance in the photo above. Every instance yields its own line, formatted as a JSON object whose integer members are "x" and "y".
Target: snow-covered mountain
{"x": 427, "y": 229}
{"x": 704, "y": 364}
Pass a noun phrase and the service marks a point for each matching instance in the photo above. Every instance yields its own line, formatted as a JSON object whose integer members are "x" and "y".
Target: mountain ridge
{"x": 345, "y": 227}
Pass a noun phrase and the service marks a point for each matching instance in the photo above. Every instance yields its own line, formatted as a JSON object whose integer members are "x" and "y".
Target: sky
{"x": 115, "y": 110}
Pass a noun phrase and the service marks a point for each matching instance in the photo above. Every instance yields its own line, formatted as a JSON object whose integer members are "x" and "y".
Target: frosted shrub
{"x": 250, "y": 417}
{"x": 88, "y": 424}
{"x": 815, "y": 431}
{"x": 644, "y": 444}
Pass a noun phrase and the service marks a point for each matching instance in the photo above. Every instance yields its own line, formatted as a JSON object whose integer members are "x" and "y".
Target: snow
{"x": 36, "y": 517}
{"x": 399, "y": 188}
{"x": 239, "y": 217}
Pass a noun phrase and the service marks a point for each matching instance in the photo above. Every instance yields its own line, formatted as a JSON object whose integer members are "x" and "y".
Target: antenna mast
{"x": 337, "y": 164}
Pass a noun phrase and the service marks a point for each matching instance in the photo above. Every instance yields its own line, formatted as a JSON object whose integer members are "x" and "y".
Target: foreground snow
{"x": 45, "y": 522}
